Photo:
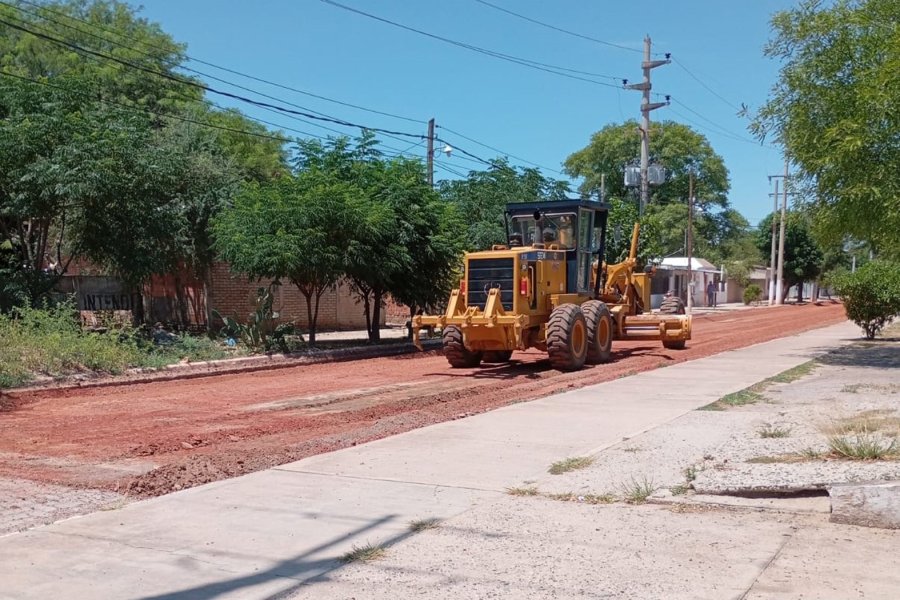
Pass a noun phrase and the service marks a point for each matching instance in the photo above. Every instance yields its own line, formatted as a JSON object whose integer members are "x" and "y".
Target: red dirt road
{"x": 150, "y": 439}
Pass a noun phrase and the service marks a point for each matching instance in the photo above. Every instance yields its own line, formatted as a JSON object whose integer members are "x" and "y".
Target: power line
{"x": 701, "y": 82}
{"x": 714, "y": 124}
{"x": 263, "y": 105}
{"x": 559, "y": 29}
{"x": 474, "y": 141}
{"x": 148, "y": 112}
{"x": 202, "y": 86}
{"x": 173, "y": 64}
{"x": 556, "y": 70}
{"x": 203, "y": 62}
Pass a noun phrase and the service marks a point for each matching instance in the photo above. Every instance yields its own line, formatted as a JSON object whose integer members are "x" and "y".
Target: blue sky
{"x": 538, "y": 116}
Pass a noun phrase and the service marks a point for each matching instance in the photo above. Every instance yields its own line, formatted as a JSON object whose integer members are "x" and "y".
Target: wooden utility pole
{"x": 690, "y": 246}
{"x": 431, "y": 152}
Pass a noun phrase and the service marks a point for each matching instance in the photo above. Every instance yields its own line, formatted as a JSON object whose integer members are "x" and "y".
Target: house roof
{"x": 681, "y": 263}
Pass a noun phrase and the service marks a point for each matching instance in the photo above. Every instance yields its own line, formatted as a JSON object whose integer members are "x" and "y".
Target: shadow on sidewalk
{"x": 299, "y": 569}
{"x": 882, "y": 353}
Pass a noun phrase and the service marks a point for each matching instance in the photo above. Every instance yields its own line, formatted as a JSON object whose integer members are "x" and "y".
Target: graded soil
{"x": 153, "y": 438}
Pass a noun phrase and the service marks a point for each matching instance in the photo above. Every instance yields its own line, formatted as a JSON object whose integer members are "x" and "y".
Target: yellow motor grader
{"x": 548, "y": 288}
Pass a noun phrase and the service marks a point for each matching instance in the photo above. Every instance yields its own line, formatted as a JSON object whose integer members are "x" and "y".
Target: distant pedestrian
{"x": 711, "y": 294}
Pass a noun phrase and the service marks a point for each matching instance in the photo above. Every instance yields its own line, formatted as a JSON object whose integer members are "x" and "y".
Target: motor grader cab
{"x": 549, "y": 289}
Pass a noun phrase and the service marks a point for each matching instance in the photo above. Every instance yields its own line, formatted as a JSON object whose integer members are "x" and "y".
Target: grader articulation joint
{"x": 544, "y": 290}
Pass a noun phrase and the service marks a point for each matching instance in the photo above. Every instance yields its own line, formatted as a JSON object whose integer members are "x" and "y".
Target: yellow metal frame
{"x": 625, "y": 292}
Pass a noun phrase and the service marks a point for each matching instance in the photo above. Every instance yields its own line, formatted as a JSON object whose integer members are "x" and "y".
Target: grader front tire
{"x": 599, "y": 331}
{"x": 455, "y": 350}
{"x": 675, "y": 345}
{"x": 567, "y": 338}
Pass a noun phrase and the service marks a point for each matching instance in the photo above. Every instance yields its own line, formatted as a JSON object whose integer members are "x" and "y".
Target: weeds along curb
{"x": 227, "y": 366}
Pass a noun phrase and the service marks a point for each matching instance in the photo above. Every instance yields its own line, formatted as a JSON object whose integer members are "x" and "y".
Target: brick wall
{"x": 233, "y": 295}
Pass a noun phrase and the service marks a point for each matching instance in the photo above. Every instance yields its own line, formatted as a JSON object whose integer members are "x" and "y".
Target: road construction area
{"x": 714, "y": 478}
{"x": 142, "y": 440}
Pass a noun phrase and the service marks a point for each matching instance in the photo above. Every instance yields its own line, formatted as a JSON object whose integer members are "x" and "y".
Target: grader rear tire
{"x": 497, "y": 356}
{"x": 675, "y": 345}
{"x": 599, "y": 331}
{"x": 455, "y": 350}
{"x": 672, "y": 305}
{"x": 567, "y": 338}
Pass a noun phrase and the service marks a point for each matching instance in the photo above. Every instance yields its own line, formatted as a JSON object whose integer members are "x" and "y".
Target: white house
{"x": 672, "y": 274}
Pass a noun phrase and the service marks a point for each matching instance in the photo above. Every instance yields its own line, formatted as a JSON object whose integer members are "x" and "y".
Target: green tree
{"x": 414, "y": 240}
{"x": 110, "y": 27}
{"x": 802, "y": 256}
{"x": 871, "y": 295}
{"x": 482, "y": 197}
{"x": 681, "y": 151}
{"x": 298, "y": 228}
{"x": 835, "y": 110}
{"x": 94, "y": 153}
{"x": 258, "y": 156}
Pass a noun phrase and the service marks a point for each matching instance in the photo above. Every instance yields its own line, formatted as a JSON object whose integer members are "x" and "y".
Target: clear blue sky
{"x": 534, "y": 115}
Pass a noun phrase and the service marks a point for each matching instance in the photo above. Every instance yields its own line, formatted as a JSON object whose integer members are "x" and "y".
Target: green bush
{"x": 752, "y": 293}
{"x": 51, "y": 342}
{"x": 871, "y": 295}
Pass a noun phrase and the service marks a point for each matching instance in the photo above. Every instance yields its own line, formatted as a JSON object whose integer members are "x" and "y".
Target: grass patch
{"x": 869, "y": 421}
{"x": 741, "y": 398}
{"x": 570, "y": 464}
{"x": 363, "y": 554}
{"x": 420, "y": 525}
{"x": 679, "y": 490}
{"x": 753, "y": 394}
{"x": 852, "y": 388}
{"x": 765, "y": 460}
{"x": 811, "y": 453}
{"x": 864, "y": 446}
{"x": 636, "y": 491}
{"x": 50, "y": 342}
{"x": 794, "y": 373}
{"x": 773, "y": 431}
{"x": 690, "y": 473}
{"x": 582, "y": 498}
{"x": 528, "y": 490}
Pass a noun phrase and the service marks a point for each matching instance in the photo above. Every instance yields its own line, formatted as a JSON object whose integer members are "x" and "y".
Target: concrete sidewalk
{"x": 279, "y": 532}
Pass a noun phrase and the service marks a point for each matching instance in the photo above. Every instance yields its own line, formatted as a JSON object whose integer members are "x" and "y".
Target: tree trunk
{"x": 310, "y": 319}
{"x": 800, "y": 293}
{"x": 180, "y": 302}
{"x": 368, "y": 316}
{"x": 375, "y": 333}
{"x": 208, "y": 300}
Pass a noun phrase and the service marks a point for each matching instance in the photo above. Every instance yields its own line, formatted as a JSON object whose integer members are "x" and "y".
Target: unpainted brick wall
{"x": 233, "y": 295}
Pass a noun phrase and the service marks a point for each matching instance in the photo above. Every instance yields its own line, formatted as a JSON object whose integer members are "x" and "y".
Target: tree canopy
{"x": 836, "y": 110}
{"x": 483, "y": 195}
{"x": 109, "y": 162}
{"x": 718, "y": 228}
{"x": 803, "y": 258}
{"x": 346, "y": 212}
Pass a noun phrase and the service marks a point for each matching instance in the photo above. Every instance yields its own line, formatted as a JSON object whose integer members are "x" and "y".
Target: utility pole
{"x": 646, "y": 106}
{"x": 690, "y": 247}
{"x": 431, "y": 152}
{"x": 779, "y": 295}
{"x": 772, "y": 257}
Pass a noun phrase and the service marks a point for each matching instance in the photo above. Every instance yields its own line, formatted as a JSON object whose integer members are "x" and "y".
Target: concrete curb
{"x": 866, "y": 504}
{"x": 228, "y": 366}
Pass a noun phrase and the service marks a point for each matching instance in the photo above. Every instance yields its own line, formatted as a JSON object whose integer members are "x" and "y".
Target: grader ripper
{"x": 543, "y": 290}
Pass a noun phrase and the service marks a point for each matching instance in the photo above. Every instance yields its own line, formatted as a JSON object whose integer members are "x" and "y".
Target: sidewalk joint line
{"x": 388, "y": 480}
